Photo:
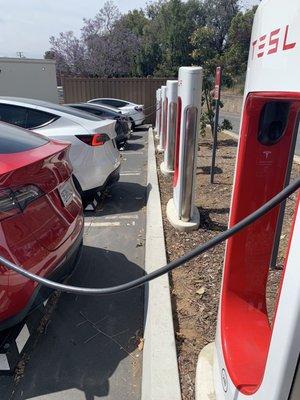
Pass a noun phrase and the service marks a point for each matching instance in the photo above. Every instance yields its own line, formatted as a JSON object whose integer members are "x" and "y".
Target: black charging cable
{"x": 278, "y": 199}
{"x": 152, "y": 113}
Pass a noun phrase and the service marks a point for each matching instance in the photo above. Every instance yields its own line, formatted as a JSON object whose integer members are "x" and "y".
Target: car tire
{"x": 84, "y": 198}
{"x": 133, "y": 126}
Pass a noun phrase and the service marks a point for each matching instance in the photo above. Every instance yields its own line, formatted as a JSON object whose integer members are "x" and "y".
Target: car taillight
{"x": 26, "y": 195}
{"x": 8, "y": 205}
{"x": 139, "y": 108}
{"x": 14, "y": 201}
{"x": 97, "y": 139}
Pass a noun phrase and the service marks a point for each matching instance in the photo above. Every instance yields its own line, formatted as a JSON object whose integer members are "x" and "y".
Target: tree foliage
{"x": 104, "y": 48}
{"x": 158, "y": 40}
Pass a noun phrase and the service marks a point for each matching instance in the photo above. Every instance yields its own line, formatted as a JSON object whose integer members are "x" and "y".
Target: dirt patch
{"x": 196, "y": 287}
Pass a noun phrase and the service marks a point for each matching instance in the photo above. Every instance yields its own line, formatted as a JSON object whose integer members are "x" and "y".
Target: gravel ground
{"x": 196, "y": 287}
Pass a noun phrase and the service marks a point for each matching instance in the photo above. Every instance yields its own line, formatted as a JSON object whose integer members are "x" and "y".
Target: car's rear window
{"x": 95, "y": 111}
{"x": 15, "y": 140}
{"x": 75, "y": 113}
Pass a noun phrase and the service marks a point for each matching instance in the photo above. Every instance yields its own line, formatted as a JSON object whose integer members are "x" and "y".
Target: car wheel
{"x": 132, "y": 124}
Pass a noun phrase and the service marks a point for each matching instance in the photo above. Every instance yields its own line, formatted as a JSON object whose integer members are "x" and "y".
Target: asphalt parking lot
{"x": 92, "y": 346}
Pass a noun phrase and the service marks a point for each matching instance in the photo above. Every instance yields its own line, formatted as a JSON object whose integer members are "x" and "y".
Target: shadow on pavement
{"x": 133, "y": 147}
{"x": 123, "y": 197}
{"x": 88, "y": 337}
{"x": 136, "y": 137}
{"x": 142, "y": 128}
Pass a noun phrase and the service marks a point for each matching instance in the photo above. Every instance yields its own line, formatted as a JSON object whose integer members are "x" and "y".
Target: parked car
{"x": 41, "y": 219}
{"x": 93, "y": 153}
{"x": 134, "y": 111}
{"x": 122, "y": 122}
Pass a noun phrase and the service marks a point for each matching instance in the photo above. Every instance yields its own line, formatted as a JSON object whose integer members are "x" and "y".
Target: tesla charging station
{"x": 163, "y": 120}
{"x": 158, "y": 113}
{"x": 181, "y": 211}
{"x": 252, "y": 359}
{"x": 167, "y": 166}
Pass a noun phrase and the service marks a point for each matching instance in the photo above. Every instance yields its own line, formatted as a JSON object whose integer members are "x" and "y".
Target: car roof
{"x": 96, "y": 107}
{"x": 29, "y": 101}
{"x": 111, "y": 98}
{"x": 57, "y": 109}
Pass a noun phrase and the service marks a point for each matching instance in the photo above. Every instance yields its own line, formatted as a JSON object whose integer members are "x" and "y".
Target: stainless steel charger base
{"x": 180, "y": 225}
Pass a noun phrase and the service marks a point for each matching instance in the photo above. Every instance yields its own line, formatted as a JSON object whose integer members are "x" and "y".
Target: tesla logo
{"x": 277, "y": 40}
{"x": 266, "y": 154}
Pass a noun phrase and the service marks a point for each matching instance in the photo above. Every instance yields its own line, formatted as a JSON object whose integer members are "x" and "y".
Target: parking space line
{"x": 22, "y": 338}
{"x": 134, "y": 153}
{"x": 130, "y": 173}
{"x": 122, "y": 217}
{"x": 4, "y": 365}
{"x": 101, "y": 224}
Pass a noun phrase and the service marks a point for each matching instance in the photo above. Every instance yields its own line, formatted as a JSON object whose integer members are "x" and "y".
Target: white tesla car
{"x": 93, "y": 153}
{"x": 134, "y": 111}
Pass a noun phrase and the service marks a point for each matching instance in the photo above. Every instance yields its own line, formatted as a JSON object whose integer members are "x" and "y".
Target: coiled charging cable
{"x": 278, "y": 199}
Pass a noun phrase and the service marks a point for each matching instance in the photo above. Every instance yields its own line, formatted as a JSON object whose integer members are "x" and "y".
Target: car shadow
{"x": 142, "y": 128}
{"x": 129, "y": 146}
{"x": 135, "y": 137}
{"x": 123, "y": 197}
{"x": 89, "y": 337}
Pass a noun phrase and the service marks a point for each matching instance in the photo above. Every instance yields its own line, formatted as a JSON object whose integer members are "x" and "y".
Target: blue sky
{"x": 26, "y": 25}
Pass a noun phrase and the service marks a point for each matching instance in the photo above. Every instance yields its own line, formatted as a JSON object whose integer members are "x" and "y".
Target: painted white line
{"x": 134, "y": 153}
{"x": 101, "y": 224}
{"x": 22, "y": 338}
{"x": 45, "y": 302}
{"x": 130, "y": 174}
{"x": 122, "y": 217}
{"x": 4, "y": 366}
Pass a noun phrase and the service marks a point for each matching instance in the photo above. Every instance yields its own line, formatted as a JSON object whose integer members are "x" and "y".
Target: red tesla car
{"x": 41, "y": 218}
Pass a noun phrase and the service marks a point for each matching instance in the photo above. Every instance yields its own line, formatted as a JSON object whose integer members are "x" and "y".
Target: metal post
{"x": 181, "y": 210}
{"x": 160, "y": 147}
{"x": 167, "y": 166}
{"x": 217, "y": 96}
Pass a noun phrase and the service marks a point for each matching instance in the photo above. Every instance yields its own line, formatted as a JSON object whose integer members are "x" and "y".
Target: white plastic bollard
{"x": 181, "y": 210}
{"x": 158, "y": 113}
{"x": 162, "y": 134}
{"x": 254, "y": 359}
{"x": 167, "y": 166}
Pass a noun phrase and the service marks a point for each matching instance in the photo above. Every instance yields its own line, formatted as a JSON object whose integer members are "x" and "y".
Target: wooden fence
{"x": 137, "y": 90}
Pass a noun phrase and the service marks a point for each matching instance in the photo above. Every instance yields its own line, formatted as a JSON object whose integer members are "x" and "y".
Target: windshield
{"x": 15, "y": 140}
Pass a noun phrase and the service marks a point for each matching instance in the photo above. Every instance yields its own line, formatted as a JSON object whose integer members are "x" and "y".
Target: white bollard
{"x": 162, "y": 134}
{"x": 253, "y": 358}
{"x": 181, "y": 211}
{"x": 167, "y": 166}
{"x": 158, "y": 113}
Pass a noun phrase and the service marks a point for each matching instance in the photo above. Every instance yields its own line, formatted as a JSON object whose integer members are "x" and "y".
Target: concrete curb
{"x": 204, "y": 386}
{"x": 160, "y": 379}
{"x": 236, "y": 137}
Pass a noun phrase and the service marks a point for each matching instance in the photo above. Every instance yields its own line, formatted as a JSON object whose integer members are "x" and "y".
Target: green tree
{"x": 49, "y": 55}
{"x": 168, "y": 35}
{"x": 239, "y": 35}
{"x": 210, "y": 42}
